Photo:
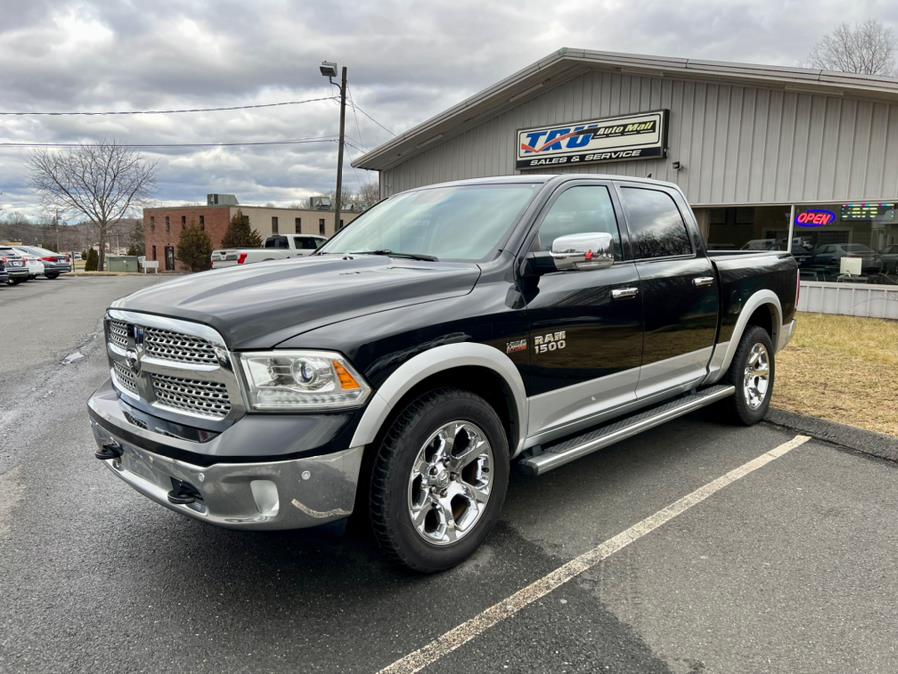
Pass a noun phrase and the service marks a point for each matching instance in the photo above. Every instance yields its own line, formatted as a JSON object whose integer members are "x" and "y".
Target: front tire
{"x": 752, "y": 372}
{"x": 438, "y": 480}
{"x": 52, "y": 275}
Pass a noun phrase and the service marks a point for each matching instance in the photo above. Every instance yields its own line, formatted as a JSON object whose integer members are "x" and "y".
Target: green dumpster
{"x": 122, "y": 263}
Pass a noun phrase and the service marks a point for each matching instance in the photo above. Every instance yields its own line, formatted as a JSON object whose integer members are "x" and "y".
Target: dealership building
{"x": 771, "y": 158}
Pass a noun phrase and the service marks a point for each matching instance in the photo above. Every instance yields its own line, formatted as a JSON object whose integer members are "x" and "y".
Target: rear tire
{"x": 16, "y": 281}
{"x": 438, "y": 480}
{"x": 752, "y": 372}
{"x": 52, "y": 275}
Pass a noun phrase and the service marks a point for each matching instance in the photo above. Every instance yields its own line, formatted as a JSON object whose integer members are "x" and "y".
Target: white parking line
{"x": 460, "y": 635}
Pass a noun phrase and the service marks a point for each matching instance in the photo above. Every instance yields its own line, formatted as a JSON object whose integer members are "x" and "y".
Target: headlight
{"x": 302, "y": 380}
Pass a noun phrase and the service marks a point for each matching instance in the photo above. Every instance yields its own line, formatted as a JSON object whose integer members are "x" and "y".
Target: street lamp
{"x": 329, "y": 70}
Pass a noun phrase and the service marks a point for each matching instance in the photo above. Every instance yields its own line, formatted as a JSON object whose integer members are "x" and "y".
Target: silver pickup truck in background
{"x": 276, "y": 247}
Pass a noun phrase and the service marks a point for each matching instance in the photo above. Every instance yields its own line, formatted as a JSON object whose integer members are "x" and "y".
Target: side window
{"x": 304, "y": 243}
{"x": 580, "y": 209}
{"x": 656, "y": 226}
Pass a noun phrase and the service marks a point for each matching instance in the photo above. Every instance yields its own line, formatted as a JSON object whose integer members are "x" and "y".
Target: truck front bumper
{"x": 276, "y": 494}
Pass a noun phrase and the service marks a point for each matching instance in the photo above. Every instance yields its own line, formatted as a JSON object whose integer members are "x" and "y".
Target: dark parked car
{"x": 889, "y": 257}
{"x": 830, "y": 256}
{"x": 54, "y": 263}
{"x": 4, "y": 276}
{"x": 452, "y": 329}
{"x": 16, "y": 268}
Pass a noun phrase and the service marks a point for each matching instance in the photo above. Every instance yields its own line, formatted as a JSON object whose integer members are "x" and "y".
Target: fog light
{"x": 265, "y": 494}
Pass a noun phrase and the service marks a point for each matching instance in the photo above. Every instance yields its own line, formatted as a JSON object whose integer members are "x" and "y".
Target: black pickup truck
{"x": 449, "y": 332}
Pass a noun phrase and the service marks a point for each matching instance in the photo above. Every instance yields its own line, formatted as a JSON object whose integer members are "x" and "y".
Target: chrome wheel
{"x": 450, "y": 483}
{"x": 756, "y": 378}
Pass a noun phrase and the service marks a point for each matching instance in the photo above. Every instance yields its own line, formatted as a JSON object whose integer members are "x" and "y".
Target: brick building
{"x": 162, "y": 226}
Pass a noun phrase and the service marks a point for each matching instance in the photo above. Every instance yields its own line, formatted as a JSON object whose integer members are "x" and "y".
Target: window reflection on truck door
{"x": 586, "y": 345}
{"x": 679, "y": 291}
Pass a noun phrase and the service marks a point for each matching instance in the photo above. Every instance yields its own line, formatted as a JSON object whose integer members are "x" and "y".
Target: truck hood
{"x": 261, "y": 305}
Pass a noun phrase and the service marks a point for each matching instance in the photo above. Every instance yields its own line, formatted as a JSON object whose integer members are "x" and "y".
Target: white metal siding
{"x": 849, "y": 299}
{"x": 738, "y": 144}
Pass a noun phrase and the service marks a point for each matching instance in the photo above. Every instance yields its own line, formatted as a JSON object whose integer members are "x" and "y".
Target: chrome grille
{"x": 207, "y": 398}
{"x": 179, "y": 347}
{"x": 126, "y": 379}
{"x": 118, "y": 333}
{"x": 173, "y": 367}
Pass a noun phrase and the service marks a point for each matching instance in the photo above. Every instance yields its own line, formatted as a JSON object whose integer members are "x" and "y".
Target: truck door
{"x": 678, "y": 285}
{"x": 585, "y": 325}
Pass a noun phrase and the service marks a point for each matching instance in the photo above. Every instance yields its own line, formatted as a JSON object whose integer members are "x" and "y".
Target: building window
{"x": 152, "y": 223}
{"x": 341, "y": 224}
{"x": 169, "y": 258}
{"x": 183, "y": 220}
{"x": 202, "y": 222}
{"x": 167, "y": 224}
{"x": 854, "y": 242}
{"x": 154, "y": 252}
{"x": 745, "y": 227}
{"x": 321, "y": 226}
{"x": 297, "y": 225}
{"x": 274, "y": 224}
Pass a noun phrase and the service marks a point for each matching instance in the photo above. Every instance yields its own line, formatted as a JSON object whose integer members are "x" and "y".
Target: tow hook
{"x": 183, "y": 493}
{"x": 111, "y": 450}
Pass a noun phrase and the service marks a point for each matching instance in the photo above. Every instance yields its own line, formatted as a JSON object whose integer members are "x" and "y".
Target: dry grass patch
{"x": 843, "y": 369}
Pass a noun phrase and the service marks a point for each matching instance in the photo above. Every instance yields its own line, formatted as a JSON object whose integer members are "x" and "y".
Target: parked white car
{"x": 277, "y": 247}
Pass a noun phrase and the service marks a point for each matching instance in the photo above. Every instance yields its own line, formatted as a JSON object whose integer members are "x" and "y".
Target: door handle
{"x": 624, "y": 293}
{"x": 703, "y": 281}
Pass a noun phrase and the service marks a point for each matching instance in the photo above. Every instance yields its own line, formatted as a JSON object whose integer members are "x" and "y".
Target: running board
{"x": 565, "y": 451}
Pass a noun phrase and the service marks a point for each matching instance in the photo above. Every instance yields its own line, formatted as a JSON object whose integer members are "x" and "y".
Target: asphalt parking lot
{"x": 789, "y": 567}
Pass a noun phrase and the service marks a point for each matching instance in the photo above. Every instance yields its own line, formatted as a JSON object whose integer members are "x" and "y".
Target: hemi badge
{"x": 516, "y": 345}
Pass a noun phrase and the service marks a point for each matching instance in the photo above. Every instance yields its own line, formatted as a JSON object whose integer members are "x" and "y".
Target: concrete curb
{"x": 866, "y": 442}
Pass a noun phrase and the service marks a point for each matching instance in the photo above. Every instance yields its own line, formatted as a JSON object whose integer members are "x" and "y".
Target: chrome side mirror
{"x": 589, "y": 250}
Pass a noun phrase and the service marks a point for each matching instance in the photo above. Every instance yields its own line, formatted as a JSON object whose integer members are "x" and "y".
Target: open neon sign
{"x": 815, "y": 217}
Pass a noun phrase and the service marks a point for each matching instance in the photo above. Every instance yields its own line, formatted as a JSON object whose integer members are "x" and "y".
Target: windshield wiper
{"x": 387, "y": 251}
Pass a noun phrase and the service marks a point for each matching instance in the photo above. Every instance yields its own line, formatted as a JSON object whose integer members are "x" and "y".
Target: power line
{"x": 362, "y": 110}
{"x": 169, "y": 112}
{"x": 299, "y": 141}
{"x": 355, "y": 116}
{"x": 354, "y": 146}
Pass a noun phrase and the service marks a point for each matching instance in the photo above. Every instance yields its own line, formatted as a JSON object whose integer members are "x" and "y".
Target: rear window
{"x": 306, "y": 242}
{"x": 40, "y": 252}
{"x": 656, "y": 226}
{"x": 279, "y": 241}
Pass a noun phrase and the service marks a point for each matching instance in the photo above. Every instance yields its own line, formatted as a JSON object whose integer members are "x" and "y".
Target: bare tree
{"x": 867, "y": 49}
{"x": 103, "y": 182}
{"x": 368, "y": 195}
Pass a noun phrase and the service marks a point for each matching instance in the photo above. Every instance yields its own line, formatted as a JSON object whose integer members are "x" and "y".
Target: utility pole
{"x": 339, "y": 196}
{"x": 329, "y": 70}
{"x": 56, "y": 224}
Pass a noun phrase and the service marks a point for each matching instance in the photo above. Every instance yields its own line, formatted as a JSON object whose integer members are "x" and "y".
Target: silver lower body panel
{"x": 291, "y": 494}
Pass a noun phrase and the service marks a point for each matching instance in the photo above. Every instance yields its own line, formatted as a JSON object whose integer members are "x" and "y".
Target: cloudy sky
{"x": 407, "y": 61}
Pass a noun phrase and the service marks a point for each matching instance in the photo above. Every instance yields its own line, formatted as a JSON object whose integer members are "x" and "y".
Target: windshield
{"x": 465, "y": 223}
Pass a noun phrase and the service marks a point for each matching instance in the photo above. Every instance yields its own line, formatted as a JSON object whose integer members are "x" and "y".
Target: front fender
{"x": 435, "y": 360}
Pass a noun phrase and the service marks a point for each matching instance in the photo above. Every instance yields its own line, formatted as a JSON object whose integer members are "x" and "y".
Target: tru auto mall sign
{"x": 638, "y": 136}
